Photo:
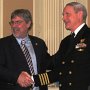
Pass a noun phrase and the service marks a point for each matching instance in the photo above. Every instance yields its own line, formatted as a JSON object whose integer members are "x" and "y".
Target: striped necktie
{"x": 27, "y": 56}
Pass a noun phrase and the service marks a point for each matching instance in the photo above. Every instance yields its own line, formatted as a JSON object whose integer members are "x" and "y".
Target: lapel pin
{"x": 36, "y": 44}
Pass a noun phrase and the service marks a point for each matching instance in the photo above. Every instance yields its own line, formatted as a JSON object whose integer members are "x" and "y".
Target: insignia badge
{"x": 81, "y": 46}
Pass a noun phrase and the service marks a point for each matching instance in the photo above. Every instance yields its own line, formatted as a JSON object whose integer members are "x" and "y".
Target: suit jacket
{"x": 12, "y": 61}
{"x": 72, "y": 64}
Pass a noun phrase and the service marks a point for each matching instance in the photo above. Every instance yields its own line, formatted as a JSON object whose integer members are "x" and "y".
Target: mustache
{"x": 15, "y": 28}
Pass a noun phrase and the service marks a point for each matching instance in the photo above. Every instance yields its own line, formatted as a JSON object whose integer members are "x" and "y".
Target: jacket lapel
{"x": 16, "y": 47}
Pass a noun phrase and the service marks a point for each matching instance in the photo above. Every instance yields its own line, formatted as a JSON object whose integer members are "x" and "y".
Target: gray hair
{"x": 79, "y": 7}
{"x": 23, "y": 13}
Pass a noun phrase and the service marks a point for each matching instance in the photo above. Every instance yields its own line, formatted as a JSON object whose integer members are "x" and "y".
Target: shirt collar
{"x": 27, "y": 39}
{"x": 78, "y": 29}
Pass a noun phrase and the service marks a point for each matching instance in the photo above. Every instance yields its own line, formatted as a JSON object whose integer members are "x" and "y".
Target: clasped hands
{"x": 24, "y": 79}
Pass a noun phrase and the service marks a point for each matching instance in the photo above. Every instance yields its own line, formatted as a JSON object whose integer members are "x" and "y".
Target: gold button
{"x": 63, "y": 62}
{"x": 60, "y": 73}
{"x": 70, "y": 84}
{"x": 60, "y": 85}
{"x": 70, "y": 72}
{"x": 72, "y": 61}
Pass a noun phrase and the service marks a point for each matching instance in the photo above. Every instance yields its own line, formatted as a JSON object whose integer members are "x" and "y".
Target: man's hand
{"x": 24, "y": 79}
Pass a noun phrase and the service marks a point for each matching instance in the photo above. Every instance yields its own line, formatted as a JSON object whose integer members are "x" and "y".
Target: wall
{"x": 88, "y": 13}
{"x": 8, "y": 7}
{"x": 1, "y": 18}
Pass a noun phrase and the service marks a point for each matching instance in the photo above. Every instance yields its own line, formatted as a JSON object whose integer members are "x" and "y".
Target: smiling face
{"x": 71, "y": 18}
{"x": 19, "y": 27}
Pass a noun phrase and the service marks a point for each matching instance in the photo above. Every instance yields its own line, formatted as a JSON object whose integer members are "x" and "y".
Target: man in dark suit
{"x": 14, "y": 70}
{"x": 73, "y": 57}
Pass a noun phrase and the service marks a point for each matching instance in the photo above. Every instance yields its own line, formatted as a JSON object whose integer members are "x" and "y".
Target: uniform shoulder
{"x": 66, "y": 38}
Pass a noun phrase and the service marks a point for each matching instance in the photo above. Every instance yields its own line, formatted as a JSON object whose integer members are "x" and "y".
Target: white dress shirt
{"x": 32, "y": 53}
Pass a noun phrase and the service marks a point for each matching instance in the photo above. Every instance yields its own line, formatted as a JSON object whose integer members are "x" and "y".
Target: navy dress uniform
{"x": 72, "y": 63}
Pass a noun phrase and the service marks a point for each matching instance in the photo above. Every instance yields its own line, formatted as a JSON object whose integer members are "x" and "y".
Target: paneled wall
{"x": 1, "y": 18}
{"x": 48, "y": 22}
{"x": 88, "y": 13}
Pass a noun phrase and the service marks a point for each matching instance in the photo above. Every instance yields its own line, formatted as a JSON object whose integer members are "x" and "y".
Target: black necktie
{"x": 72, "y": 37}
{"x": 27, "y": 56}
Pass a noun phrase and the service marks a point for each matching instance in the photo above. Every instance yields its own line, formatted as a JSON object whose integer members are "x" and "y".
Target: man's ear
{"x": 29, "y": 24}
{"x": 80, "y": 13}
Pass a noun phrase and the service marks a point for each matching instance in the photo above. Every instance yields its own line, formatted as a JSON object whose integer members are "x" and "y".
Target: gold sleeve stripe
{"x": 48, "y": 81}
{"x": 40, "y": 79}
{"x": 45, "y": 78}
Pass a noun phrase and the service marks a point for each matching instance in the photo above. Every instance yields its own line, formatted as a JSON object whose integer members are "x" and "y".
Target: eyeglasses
{"x": 16, "y": 22}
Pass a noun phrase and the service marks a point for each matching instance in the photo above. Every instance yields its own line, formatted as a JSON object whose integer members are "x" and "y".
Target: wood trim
{"x": 1, "y": 18}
